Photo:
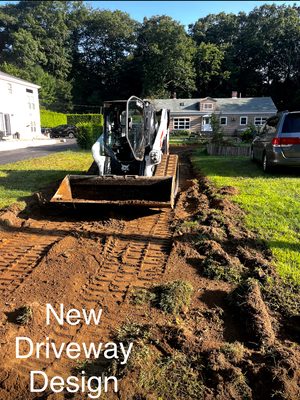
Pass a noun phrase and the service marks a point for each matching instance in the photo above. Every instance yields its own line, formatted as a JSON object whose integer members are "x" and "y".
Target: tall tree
{"x": 211, "y": 73}
{"x": 165, "y": 55}
{"x": 105, "y": 46}
{"x": 36, "y": 40}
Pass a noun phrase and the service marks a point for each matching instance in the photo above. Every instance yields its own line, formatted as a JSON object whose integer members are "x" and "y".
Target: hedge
{"x": 87, "y": 134}
{"x": 50, "y": 119}
{"x": 75, "y": 119}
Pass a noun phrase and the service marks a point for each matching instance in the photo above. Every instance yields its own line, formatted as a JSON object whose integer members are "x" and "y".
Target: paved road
{"x": 11, "y": 156}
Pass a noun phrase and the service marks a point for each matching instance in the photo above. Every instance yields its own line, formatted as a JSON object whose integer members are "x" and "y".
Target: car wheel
{"x": 71, "y": 135}
{"x": 252, "y": 154}
{"x": 265, "y": 164}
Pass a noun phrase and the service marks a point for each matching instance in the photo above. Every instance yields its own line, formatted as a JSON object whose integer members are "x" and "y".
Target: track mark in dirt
{"x": 133, "y": 259}
{"x": 23, "y": 249}
{"x": 20, "y": 257}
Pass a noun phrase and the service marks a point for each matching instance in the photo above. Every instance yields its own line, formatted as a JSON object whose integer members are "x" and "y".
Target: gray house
{"x": 235, "y": 114}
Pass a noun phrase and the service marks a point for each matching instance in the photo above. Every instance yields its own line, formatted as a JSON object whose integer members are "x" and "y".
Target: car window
{"x": 270, "y": 126}
{"x": 291, "y": 123}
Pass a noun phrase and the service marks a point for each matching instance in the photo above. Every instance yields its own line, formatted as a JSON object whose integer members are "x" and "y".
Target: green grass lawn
{"x": 271, "y": 202}
{"x": 21, "y": 179}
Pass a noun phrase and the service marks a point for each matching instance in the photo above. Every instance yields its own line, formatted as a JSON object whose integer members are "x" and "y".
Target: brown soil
{"x": 232, "y": 341}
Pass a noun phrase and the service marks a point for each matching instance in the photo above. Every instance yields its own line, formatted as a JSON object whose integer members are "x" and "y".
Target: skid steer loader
{"x": 132, "y": 162}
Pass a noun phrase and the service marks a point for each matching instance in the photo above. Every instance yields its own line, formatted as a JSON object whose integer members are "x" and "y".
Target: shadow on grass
{"x": 32, "y": 180}
{"x": 285, "y": 245}
{"x": 238, "y": 167}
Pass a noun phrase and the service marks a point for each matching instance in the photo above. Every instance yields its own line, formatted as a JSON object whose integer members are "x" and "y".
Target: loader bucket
{"x": 157, "y": 192}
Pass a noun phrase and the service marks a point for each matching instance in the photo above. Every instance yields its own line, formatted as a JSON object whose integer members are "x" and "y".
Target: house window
{"x": 243, "y": 120}
{"x": 9, "y": 88}
{"x": 181, "y": 123}
{"x": 33, "y": 126}
{"x": 259, "y": 120}
{"x": 30, "y": 102}
{"x": 29, "y": 90}
{"x": 5, "y": 127}
{"x": 223, "y": 121}
{"x": 207, "y": 106}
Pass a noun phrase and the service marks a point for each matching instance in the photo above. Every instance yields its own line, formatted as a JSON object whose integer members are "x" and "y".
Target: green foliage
{"x": 210, "y": 70}
{"x": 87, "y": 134}
{"x": 264, "y": 198}
{"x": 165, "y": 53}
{"x": 248, "y": 134}
{"x": 82, "y": 55}
{"x": 180, "y": 133}
{"x": 217, "y": 131}
{"x": 74, "y": 119}
{"x": 106, "y": 41}
{"x": 50, "y": 119}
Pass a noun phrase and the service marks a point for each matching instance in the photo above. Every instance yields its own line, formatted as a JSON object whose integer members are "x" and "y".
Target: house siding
{"x": 233, "y": 122}
{"x": 232, "y": 108}
{"x": 195, "y": 122}
{"x": 19, "y": 103}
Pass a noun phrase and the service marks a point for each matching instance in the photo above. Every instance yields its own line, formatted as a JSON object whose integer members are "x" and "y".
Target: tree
{"x": 165, "y": 55}
{"x": 105, "y": 44}
{"x": 37, "y": 43}
{"x": 217, "y": 130}
{"x": 210, "y": 70}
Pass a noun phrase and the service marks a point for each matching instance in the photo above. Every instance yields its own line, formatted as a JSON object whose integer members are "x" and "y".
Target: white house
{"x": 19, "y": 108}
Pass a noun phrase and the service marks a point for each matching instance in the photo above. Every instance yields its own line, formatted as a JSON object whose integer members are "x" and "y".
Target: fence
{"x": 214, "y": 149}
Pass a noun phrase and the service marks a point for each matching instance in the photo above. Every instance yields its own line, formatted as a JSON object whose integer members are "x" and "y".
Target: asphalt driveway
{"x": 26, "y": 153}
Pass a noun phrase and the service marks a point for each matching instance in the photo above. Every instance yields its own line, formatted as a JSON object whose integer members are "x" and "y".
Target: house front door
{"x": 206, "y": 124}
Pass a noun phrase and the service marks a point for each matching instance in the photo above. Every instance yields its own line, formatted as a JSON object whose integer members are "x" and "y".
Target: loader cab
{"x": 115, "y": 141}
{"x": 125, "y": 134}
{"x": 135, "y": 127}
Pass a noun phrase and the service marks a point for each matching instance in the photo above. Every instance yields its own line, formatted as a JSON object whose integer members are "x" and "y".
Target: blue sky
{"x": 184, "y": 11}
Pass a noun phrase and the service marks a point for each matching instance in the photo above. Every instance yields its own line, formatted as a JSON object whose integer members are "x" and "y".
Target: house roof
{"x": 223, "y": 105}
{"x": 11, "y": 78}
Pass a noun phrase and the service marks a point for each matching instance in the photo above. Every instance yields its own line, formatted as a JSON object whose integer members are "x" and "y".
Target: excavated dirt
{"x": 229, "y": 343}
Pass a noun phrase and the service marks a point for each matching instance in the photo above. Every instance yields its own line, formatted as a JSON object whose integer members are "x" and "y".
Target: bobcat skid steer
{"x": 132, "y": 162}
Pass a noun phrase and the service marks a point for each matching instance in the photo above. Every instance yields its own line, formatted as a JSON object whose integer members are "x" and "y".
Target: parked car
{"x": 46, "y": 131}
{"x": 278, "y": 142}
{"x": 64, "y": 131}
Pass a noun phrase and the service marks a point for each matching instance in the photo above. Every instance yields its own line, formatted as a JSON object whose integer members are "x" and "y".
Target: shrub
{"x": 180, "y": 133}
{"x": 75, "y": 119}
{"x": 217, "y": 130}
{"x": 50, "y": 119}
{"x": 248, "y": 134}
{"x": 87, "y": 134}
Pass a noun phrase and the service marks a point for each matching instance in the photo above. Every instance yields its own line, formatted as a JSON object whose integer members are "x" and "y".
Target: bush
{"x": 75, "y": 119}
{"x": 180, "y": 133}
{"x": 248, "y": 134}
{"x": 50, "y": 119}
{"x": 87, "y": 134}
{"x": 217, "y": 130}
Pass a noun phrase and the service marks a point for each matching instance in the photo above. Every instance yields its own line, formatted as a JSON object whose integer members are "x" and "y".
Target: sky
{"x": 186, "y": 12}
